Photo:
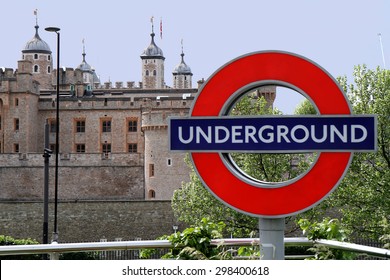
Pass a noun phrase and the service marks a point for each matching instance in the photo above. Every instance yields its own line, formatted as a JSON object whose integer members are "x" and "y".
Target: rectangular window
{"x": 151, "y": 170}
{"x": 133, "y": 125}
{"x": 106, "y": 147}
{"x": 132, "y": 147}
{"x": 106, "y": 126}
{"x": 80, "y": 148}
{"x": 52, "y": 126}
{"x": 80, "y": 126}
{"x": 169, "y": 162}
{"x": 16, "y": 124}
{"x": 16, "y": 148}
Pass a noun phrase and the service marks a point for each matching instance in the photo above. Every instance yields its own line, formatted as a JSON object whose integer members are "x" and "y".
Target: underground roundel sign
{"x": 210, "y": 134}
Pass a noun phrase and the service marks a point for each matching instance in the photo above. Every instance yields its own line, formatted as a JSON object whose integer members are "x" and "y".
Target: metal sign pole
{"x": 271, "y": 238}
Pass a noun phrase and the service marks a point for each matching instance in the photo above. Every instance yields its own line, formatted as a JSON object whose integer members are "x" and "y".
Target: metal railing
{"x": 55, "y": 249}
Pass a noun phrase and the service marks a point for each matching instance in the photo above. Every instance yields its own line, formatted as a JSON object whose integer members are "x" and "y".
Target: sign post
{"x": 209, "y": 134}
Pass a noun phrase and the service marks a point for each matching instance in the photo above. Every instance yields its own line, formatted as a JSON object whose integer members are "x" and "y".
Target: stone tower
{"x": 39, "y": 54}
{"x": 152, "y": 66}
{"x": 90, "y": 78}
{"x": 164, "y": 170}
{"x": 182, "y": 75}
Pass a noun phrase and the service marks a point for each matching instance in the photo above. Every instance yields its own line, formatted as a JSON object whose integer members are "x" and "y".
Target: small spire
{"x": 36, "y": 23}
{"x": 152, "y": 22}
{"x": 36, "y": 16}
{"x": 84, "y": 54}
{"x": 182, "y": 51}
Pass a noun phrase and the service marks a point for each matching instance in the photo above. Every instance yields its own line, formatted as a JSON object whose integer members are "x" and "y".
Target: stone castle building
{"x": 113, "y": 149}
{"x": 122, "y": 127}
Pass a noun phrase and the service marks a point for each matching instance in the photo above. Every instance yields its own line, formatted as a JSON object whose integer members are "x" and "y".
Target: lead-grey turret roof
{"x": 182, "y": 67}
{"x": 36, "y": 44}
{"x": 152, "y": 51}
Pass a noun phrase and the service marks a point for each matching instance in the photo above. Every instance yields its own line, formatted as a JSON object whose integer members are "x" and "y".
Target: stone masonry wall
{"x": 81, "y": 177}
{"x": 89, "y": 221}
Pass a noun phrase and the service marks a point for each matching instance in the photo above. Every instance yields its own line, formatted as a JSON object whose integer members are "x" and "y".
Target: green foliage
{"x": 193, "y": 202}
{"x": 330, "y": 229}
{"x": 305, "y": 108}
{"x": 249, "y": 252}
{"x": 195, "y": 242}
{"x": 363, "y": 197}
{"x": 8, "y": 240}
{"x": 327, "y": 229}
{"x": 385, "y": 238}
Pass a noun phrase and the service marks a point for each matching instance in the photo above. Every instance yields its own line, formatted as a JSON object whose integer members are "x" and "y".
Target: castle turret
{"x": 182, "y": 75}
{"x": 90, "y": 78}
{"x": 152, "y": 66}
{"x": 38, "y": 52}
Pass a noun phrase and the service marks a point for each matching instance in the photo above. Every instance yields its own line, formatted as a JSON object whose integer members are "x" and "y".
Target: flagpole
{"x": 161, "y": 36}
{"x": 383, "y": 54}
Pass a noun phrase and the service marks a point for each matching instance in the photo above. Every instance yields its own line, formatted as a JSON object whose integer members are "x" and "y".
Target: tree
{"x": 193, "y": 202}
{"x": 363, "y": 197}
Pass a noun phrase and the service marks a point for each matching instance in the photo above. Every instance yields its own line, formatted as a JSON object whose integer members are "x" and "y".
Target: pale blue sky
{"x": 336, "y": 34}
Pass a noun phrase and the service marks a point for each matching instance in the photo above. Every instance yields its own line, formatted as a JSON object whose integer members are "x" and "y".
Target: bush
{"x": 330, "y": 229}
{"x": 8, "y": 240}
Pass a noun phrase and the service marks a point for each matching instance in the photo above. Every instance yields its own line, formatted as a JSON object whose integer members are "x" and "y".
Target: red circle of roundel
{"x": 324, "y": 175}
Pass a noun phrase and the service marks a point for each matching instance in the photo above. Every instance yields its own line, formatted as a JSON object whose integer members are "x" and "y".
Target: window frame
{"x": 152, "y": 170}
{"x": 132, "y": 148}
{"x": 80, "y": 125}
{"x": 132, "y": 125}
{"x": 80, "y": 148}
{"x": 106, "y": 125}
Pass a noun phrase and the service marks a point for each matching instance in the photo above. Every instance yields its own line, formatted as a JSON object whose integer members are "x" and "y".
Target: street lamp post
{"x": 55, "y": 231}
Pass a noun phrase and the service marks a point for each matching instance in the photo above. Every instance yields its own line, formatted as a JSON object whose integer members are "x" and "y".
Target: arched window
{"x": 49, "y": 57}
{"x": 36, "y": 68}
{"x": 154, "y": 72}
{"x": 35, "y": 56}
{"x": 147, "y": 73}
{"x": 48, "y": 69}
{"x": 152, "y": 194}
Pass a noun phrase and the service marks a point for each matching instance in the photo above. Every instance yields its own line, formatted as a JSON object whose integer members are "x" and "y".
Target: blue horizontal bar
{"x": 274, "y": 134}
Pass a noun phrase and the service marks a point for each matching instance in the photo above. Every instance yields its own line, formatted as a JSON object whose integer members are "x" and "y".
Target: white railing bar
{"x": 373, "y": 251}
{"x": 85, "y": 246}
{"x": 288, "y": 241}
{"x": 131, "y": 245}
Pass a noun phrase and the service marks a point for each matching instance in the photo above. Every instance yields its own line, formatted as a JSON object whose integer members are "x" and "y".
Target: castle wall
{"x": 89, "y": 221}
{"x": 81, "y": 177}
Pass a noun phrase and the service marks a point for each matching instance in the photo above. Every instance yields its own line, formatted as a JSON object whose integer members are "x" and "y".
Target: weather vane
{"x": 36, "y": 16}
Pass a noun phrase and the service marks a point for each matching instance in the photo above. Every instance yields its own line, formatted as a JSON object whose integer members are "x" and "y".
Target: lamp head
{"x": 52, "y": 29}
